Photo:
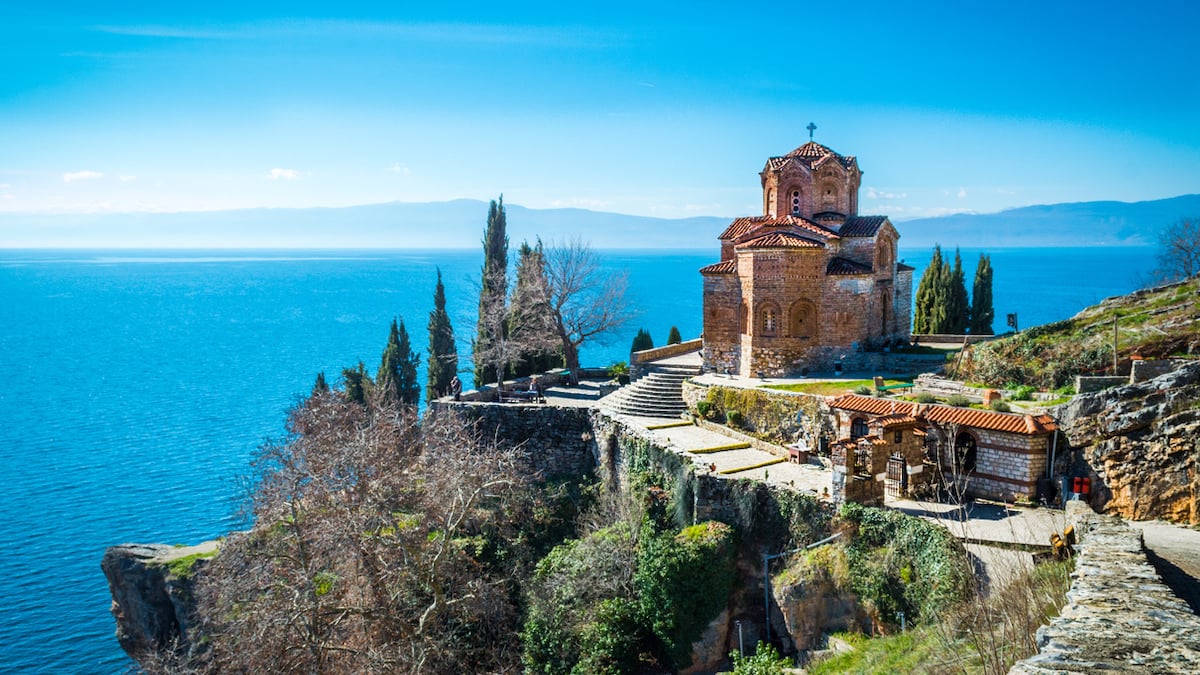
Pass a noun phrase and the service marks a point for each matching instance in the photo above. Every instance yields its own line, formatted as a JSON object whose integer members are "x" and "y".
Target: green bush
{"x": 1023, "y": 393}
{"x": 683, "y": 582}
{"x": 766, "y": 661}
{"x": 735, "y": 418}
{"x": 704, "y": 409}
{"x": 1066, "y": 390}
{"x": 1000, "y": 406}
{"x": 925, "y": 397}
{"x": 863, "y": 390}
{"x": 958, "y": 400}
{"x": 618, "y": 368}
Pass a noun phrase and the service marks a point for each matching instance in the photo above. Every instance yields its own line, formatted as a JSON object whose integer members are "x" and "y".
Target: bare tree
{"x": 1179, "y": 250}
{"x": 366, "y": 553}
{"x": 584, "y": 301}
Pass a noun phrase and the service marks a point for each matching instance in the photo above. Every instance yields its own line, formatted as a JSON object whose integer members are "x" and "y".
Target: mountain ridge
{"x": 459, "y": 223}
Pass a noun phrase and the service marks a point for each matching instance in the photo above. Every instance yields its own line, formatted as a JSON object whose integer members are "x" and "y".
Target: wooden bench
{"x": 522, "y": 396}
{"x": 881, "y": 387}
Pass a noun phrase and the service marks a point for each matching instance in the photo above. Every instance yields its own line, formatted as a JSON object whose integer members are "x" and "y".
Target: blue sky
{"x": 666, "y": 109}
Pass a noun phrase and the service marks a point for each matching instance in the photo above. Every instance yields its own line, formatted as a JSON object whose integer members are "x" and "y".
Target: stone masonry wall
{"x": 558, "y": 439}
{"x": 1119, "y": 617}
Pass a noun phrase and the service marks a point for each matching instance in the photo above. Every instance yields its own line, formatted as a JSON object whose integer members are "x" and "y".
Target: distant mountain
{"x": 1078, "y": 224}
{"x": 453, "y": 224}
{"x": 460, "y": 223}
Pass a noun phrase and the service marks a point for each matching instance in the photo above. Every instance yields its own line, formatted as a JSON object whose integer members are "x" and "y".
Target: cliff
{"x": 1140, "y": 446}
{"x": 151, "y": 586}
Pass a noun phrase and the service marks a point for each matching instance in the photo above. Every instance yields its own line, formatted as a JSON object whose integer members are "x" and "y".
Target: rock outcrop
{"x": 151, "y": 586}
{"x": 1140, "y": 444}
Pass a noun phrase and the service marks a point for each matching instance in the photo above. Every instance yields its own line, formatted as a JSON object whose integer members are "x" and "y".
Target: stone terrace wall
{"x": 558, "y": 438}
{"x": 1119, "y": 616}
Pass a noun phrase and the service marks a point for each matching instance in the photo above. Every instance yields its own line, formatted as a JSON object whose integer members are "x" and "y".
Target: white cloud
{"x": 126, "y": 179}
{"x": 962, "y": 193}
{"x": 73, "y": 176}
{"x": 402, "y": 170}
{"x": 286, "y": 174}
{"x": 872, "y": 193}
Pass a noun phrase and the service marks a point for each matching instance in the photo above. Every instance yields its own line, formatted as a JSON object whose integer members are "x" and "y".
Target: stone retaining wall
{"x": 1119, "y": 617}
{"x": 558, "y": 439}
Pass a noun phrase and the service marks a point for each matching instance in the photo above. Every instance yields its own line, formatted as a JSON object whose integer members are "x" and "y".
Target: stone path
{"x": 805, "y": 477}
{"x": 1174, "y": 550}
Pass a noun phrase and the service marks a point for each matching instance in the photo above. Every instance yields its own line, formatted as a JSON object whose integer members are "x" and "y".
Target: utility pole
{"x": 1115, "y": 344}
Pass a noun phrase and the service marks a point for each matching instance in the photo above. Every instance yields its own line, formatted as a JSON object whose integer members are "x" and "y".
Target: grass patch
{"x": 920, "y": 650}
{"x": 184, "y": 566}
{"x": 720, "y": 448}
{"x": 752, "y": 467}
{"x": 832, "y": 388}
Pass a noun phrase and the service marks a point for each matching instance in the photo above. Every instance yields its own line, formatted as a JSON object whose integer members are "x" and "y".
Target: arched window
{"x": 883, "y": 256}
{"x": 858, "y": 428}
{"x": 770, "y": 320}
{"x": 964, "y": 453}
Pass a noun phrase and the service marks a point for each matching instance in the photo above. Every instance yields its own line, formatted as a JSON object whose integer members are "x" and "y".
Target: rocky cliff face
{"x": 1140, "y": 444}
{"x": 151, "y": 586}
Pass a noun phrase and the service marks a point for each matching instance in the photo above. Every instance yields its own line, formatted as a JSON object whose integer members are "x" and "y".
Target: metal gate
{"x": 897, "y": 477}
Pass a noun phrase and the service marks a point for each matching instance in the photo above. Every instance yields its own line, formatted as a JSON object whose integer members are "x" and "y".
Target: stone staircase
{"x": 658, "y": 393}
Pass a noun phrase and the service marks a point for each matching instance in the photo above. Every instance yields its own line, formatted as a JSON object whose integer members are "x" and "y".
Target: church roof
{"x": 723, "y": 267}
{"x": 843, "y": 266}
{"x": 861, "y": 226}
{"x": 780, "y": 240}
{"x": 812, "y": 155}
{"x": 967, "y": 417}
{"x": 901, "y": 267}
{"x": 742, "y": 226}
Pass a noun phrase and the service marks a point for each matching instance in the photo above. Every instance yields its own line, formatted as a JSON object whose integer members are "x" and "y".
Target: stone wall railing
{"x": 666, "y": 351}
{"x": 1119, "y": 616}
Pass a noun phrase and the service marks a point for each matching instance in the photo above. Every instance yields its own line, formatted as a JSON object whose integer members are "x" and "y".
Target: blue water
{"x": 137, "y": 385}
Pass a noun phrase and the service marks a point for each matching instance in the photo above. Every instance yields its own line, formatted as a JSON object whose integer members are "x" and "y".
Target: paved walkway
{"x": 1174, "y": 550}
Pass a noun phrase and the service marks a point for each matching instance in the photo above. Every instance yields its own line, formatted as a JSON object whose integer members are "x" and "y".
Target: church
{"x": 810, "y": 285}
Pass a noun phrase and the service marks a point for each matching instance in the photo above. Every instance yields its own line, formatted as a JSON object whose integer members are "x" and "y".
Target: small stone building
{"x": 809, "y": 283}
{"x": 899, "y": 448}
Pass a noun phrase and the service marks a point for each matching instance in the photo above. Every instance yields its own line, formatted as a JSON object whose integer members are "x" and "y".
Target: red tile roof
{"x": 780, "y": 240}
{"x": 944, "y": 414}
{"x": 743, "y": 226}
{"x": 861, "y": 226}
{"x": 811, "y": 154}
{"x": 723, "y": 267}
{"x": 842, "y": 266}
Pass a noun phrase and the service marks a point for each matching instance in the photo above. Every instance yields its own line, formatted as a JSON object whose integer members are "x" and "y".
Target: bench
{"x": 522, "y": 396}
{"x": 881, "y": 387}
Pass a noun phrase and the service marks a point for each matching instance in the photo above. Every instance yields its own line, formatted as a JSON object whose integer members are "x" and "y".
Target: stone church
{"x": 809, "y": 285}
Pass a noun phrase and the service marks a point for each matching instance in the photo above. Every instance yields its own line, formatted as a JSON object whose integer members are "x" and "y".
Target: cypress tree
{"x": 529, "y": 322}
{"x": 397, "y": 376}
{"x": 673, "y": 338}
{"x": 957, "y": 307}
{"x": 642, "y": 341}
{"x": 927, "y": 292}
{"x": 443, "y": 354}
{"x": 320, "y": 386}
{"x": 355, "y": 383}
{"x": 493, "y": 289}
{"x": 982, "y": 312}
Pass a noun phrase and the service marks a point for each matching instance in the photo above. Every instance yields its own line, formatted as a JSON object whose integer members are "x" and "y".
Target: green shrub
{"x": 704, "y": 409}
{"x": 1066, "y": 390}
{"x": 735, "y": 418}
{"x": 925, "y": 397}
{"x": 618, "y": 368}
{"x": 958, "y": 400}
{"x": 1000, "y": 406}
{"x": 1023, "y": 393}
{"x": 766, "y": 661}
{"x": 863, "y": 390}
{"x": 683, "y": 582}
